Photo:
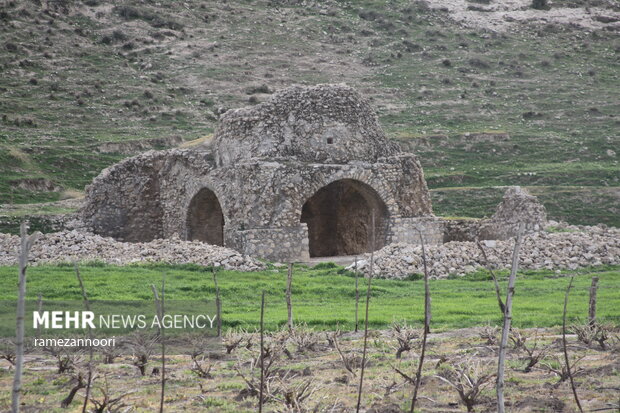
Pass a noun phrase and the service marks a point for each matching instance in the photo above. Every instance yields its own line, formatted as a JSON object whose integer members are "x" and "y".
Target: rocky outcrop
{"x": 136, "y": 146}
{"x": 36, "y": 185}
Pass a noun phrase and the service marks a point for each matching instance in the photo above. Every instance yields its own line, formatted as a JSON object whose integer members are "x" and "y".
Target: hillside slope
{"x": 488, "y": 93}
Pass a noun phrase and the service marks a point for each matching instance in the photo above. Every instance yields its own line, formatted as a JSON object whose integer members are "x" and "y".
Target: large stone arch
{"x": 339, "y": 218}
{"x": 205, "y": 218}
{"x": 321, "y": 178}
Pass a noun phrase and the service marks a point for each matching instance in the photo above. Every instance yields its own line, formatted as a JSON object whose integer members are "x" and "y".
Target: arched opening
{"x": 205, "y": 220}
{"x": 339, "y": 218}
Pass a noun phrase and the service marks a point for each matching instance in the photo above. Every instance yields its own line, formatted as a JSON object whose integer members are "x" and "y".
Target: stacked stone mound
{"x": 517, "y": 207}
{"x": 586, "y": 246}
{"x": 70, "y": 246}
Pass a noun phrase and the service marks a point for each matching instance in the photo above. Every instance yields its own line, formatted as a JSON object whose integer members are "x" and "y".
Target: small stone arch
{"x": 205, "y": 218}
{"x": 339, "y": 219}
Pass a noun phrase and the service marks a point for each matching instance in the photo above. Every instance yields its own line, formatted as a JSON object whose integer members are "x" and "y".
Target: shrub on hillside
{"x": 540, "y": 5}
{"x": 155, "y": 20}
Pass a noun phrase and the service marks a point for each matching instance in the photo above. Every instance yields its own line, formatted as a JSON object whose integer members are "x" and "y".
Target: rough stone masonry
{"x": 294, "y": 177}
{"x": 298, "y": 176}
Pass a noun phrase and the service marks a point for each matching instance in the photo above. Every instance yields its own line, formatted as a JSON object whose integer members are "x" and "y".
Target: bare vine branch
{"x": 564, "y": 347}
{"x": 427, "y": 321}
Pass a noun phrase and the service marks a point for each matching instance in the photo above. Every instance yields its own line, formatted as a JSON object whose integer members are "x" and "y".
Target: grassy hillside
{"x": 81, "y": 74}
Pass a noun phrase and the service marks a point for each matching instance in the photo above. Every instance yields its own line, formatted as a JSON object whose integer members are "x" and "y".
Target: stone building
{"x": 298, "y": 176}
{"x": 295, "y": 177}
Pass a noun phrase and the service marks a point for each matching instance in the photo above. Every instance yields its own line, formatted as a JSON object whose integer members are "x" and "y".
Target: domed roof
{"x": 323, "y": 123}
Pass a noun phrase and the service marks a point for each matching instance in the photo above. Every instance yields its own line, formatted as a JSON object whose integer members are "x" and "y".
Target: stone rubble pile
{"x": 578, "y": 247}
{"x": 69, "y": 246}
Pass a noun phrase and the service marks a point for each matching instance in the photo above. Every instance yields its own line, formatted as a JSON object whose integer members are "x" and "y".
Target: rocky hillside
{"x": 488, "y": 93}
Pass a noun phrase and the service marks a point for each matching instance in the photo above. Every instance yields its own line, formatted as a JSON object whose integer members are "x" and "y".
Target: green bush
{"x": 325, "y": 266}
{"x": 540, "y": 5}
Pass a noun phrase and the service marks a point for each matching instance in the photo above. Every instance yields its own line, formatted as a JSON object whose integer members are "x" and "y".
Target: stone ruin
{"x": 517, "y": 206}
{"x": 295, "y": 177}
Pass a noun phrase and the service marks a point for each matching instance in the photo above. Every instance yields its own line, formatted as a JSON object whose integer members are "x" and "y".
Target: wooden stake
{"x": 218, "y": 303}
{"x": 39, "y": 309}
{"x": 262, "y": 353}
{"x": 159, "y": 307}
{"x": 372, "y": 256}
{"x": 26, "y": 244}
{"x": 592, "y": 307}
{"x": 163, "y": 345}
{"x": 357, "y": 296}
{"x": 507, "y": 321}
{"x": 427, "y": 323}
{"x": 90, "y": 335}
{"x": 564, "y": 347}
{"x": 289, "y": 303}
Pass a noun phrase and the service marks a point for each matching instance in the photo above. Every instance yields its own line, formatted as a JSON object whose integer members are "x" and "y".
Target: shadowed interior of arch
{"x": 205, "y": 220}
{"x": 339, "y": 218}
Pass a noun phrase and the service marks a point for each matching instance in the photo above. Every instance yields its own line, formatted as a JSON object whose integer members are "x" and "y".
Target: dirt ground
{"x": 306, "y": 372}
{"x": 505, "y": 15}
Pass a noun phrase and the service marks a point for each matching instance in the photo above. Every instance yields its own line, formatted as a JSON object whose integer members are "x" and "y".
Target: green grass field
{"x": 323, "y": 296}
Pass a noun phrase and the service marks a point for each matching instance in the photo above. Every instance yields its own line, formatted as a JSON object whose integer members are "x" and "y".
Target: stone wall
{"x": 407, "y": 230}
{"x": 461, "y": 230}
{"x": 276, "y": 244}
{"x": 466, "y": 141}
{"x": 124, "y": 202}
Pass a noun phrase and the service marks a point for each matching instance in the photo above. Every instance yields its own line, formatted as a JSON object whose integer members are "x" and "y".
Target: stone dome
{"x": 318, "y": 124}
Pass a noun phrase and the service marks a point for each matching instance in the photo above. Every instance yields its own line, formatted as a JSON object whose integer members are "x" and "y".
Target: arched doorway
{"x": 205, "y": 220}
{"x": 339, "y": 218}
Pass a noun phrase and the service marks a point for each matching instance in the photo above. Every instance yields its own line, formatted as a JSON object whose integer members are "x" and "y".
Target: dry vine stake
{"x": 592, "y": 306}
{"x": 90, "y": 335}
{"x": 502, "y": 307}
{"x": 218, "y": 303}
{"x": 289, "y": 303}
{"x": 357, "y": 296}
{"x": 26, "y": 244}
{"x": 262, "y": 353}
{"x": 163, "y": 345}
{"x": 39, "y": 309}
{"x": 427, "y": 323}
{"x": 372, "y": 256}
{"x": 159, "y": 307}
{"x": 507, "y": 321}
{"x": 570, "y": 374}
